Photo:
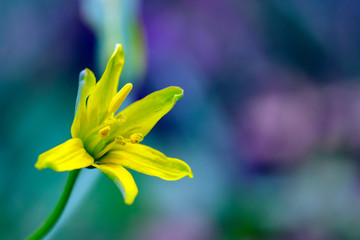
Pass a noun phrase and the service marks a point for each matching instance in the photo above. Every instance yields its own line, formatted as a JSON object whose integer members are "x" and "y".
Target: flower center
{"x": 104, "y": 137}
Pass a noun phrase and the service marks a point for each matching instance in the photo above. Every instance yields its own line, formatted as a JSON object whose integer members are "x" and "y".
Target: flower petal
{"x": 106, "y": 88}
{"x": 141, "y": 116}
{"x": 149, "y": 161}
{"x": 86, "y": 86}
{"x": 67, "y": 156}
{"x": 122, "y": 178}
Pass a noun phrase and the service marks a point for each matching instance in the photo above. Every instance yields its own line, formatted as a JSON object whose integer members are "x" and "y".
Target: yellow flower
{"x": 109, "y": 141}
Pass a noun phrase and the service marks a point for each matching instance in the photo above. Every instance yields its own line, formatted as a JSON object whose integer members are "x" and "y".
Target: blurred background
{"x": 269, "y": 122}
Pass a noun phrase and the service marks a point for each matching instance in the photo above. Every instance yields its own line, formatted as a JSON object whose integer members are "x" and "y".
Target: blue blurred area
{"x": 269, "y": 121}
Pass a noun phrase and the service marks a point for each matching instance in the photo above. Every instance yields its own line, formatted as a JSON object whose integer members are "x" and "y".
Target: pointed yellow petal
{"x": 86, "y": 86}
{"x": 149, "y": 161}
{"x": 106, "y": 88}
{"x": 119, "y": 98}
{"x": 67, "y": 156}
{"x": 122, "y": 178}
{"x": 141, "y": 116}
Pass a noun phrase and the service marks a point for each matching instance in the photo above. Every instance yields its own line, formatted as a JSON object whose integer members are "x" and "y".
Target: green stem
{"x": 50, "y": 222}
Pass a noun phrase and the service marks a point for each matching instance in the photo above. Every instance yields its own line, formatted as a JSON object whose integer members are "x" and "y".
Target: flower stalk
{"x": 54, "y": 217}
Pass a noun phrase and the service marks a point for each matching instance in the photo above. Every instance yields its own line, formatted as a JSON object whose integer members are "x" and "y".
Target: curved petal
{"x": 106, "y": 88}
{"x": 141, "y": 116}
{"x": 86, "y": 86}
{"x": 67, "y": 156}
{"x": 149, "y": 161}
{"x": 122, "y": 178}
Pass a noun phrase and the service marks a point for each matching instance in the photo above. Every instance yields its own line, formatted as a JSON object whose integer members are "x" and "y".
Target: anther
{"x": 109, "y": 121}
{"x": 119, "y": 98}
{"x": 104, "y": 132}
{"x": 120, "y": 140}
{"x": 136, "y": 138}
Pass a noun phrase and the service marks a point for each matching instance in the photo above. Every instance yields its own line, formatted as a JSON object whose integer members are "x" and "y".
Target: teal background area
{"x": 269, "y": 121}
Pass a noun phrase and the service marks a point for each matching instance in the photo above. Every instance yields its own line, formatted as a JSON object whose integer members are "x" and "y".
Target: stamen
{"x": 108, "y": 146}
{"x": 109, "y": 121}
{"x": 136, "y": 138}
{"x": 104, "y": 132}
{"x": 119, "y": 98}
{"x": 120, "y": 140}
